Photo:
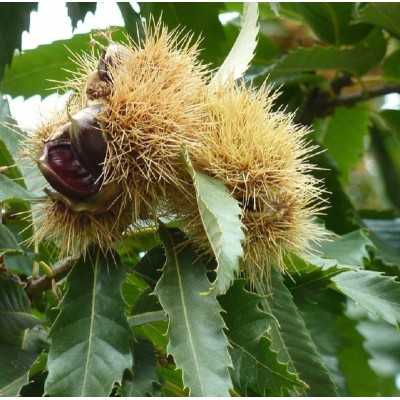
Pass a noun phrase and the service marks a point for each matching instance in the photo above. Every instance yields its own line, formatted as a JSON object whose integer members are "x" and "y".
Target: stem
{"x": 367, "y": 95}
{"x": 36, "y": 286}
{"x": 321, "y": 103}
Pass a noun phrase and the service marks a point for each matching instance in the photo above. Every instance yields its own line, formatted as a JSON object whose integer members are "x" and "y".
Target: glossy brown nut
{"x": 65, "y": 173}
{"x": 72, "y": 159}
{"x": 112, "y": 56}
{"x": 88, "y": 139}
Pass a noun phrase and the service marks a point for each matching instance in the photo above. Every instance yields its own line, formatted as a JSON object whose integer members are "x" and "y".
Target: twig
{"x": 36, "y": 286}
{"x": 370, "y": 94}
{"x": 322, "y": 103}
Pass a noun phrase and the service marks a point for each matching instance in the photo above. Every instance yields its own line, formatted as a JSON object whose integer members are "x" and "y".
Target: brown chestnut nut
{"x": 113, "y": 55}
{"x": 99, "y": 83}
{"x": 72, "y": 158}
{"x": 88, "y": 139}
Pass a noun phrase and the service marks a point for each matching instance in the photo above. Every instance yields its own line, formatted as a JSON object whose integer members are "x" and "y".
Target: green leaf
{"x": 382, "y": 341}
{"x": 14, "y": 373}
{"x": 34, "y": 71}
{"x": 331, "y": 22}
{"x": 346, "y": 126}
{"x": 8, "y": 242}
{"x": 292, "y": 341}
{"x": 385, "y": 234}
{"x": 25, "y": 172}
{"x": 349, "y": 249}
{"x": 10, "y": 190}
{"x": 77, "y": 11}
{"x": 145, "y": 318}
{"x": 16, "y": 357}
{"x": 341, "y": 216}
{"x": 385, "y": 148}
{"x": 140, "y": 382}
{"x": 391, "y": 66}
{"x": 9, "y": 140}
{"x": 220, "y": 214}
{"x": 255, "y": 365}
{"x": 14, "y": 19}
{"x": 16, "y": 258}
{"x": 150, "y": 265}
{"x": 172, "y": 384}
{"x": 155, "y": 332}
{"x": 132, "y": 21}
{"x": 354, "y": 362}
{"x": 391, "y": 119}
{"x": 15, "y": 311}
{"x": 196, "y": 329}
{"x": 377, "y": 293}
{"x": 320, "y": 312}
{"x": 384, "y": 15}
{"x": 90, "y": 338}
{"x": 357, "y": 60}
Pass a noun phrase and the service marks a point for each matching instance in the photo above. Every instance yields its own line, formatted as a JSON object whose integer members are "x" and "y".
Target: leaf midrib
{"x": 257, "y": 361}
{"x": 4, "y": 389}
{"x": 181, "y": 293}
{"x": 91, "y": 328}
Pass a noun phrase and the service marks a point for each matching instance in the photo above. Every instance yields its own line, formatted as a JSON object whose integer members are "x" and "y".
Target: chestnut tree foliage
{"x": 146, "y": 319}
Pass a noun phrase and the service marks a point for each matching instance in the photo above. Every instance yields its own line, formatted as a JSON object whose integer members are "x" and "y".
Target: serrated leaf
{"x": 150, "y": 266}
{"x": 90, "y": 338}
{"x": 350, "y": 126}
{"x": 16, "y": 259}
{"x": 255, "y": 365}
{"x": 10, "y": 190}
{"x": 391, "y": 67}
{"x": 16, "y": 357}
{"x": 377, "y": 293}
{"x": 14, "y": 19}
{"x": 331, "y": 22}
{"x": 349, "y": 249}
{"x": 77, "y": 11}
{"x": 385, "y": 234}
{"x": 172, "y": 382}
{"x": 220, "y": 214}
{"x": 9, "y": 140}
{"x": 384, "y": 15}
{"x": 354, "y": 361}
{"x": 382, "y": 341}
{"x": 15, "y": 364}
{"x": 358, "y": 59}
{"x": 140, "y": 383}
{"x": 145, "y": 318}
{"x": 196, "y": 329}
{"x": 132, "y": 20}
{"x": 313, "y": 274}
{"x": 292, "y": 341}
{"x": 15, "y": 312}
{"x": 321, "y": 311}
{"x": 25, "y": 172}
{"x": 33, "y": 72}
{"x": 242, "y": 52}
{"x": 155, "y": 332}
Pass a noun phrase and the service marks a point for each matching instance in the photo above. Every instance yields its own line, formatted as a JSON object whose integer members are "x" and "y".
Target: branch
{"x": 322, "y": 103}
{"x": 36, "y": 286}
{"x": 370, "y": 94}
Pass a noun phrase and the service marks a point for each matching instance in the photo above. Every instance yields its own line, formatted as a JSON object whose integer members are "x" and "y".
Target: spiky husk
{"x": 160, "y": 103}
{"x": 156, "y": 107}
{"x": 262, "y": 157}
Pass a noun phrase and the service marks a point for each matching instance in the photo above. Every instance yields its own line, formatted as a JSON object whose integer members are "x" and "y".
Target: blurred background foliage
{"x": 337, "y": 67}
